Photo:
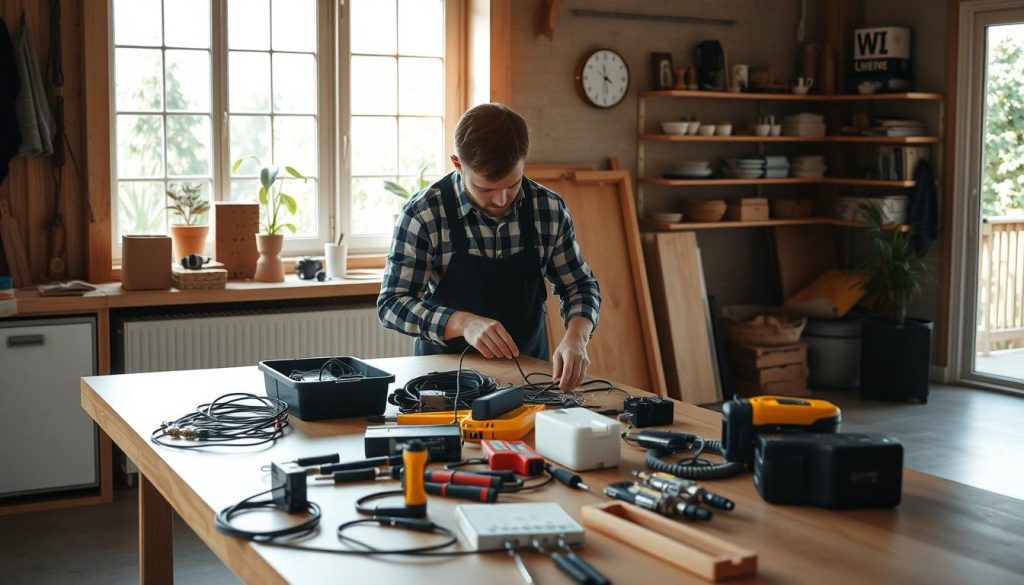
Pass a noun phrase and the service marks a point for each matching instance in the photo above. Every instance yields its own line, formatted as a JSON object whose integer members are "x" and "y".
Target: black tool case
{"x": 365, "y": 395}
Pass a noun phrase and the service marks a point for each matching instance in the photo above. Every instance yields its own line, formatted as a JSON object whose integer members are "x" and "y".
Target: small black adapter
{"x": 491, "y": 406}
{"x": 647, "y": 411}
{"x": 288, "y": 487}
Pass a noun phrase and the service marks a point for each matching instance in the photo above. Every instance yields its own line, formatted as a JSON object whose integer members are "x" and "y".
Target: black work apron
{"x": 509, "y": 290}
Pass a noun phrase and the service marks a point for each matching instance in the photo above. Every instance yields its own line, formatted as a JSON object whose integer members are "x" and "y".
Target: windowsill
{"x": 355, "y": 262}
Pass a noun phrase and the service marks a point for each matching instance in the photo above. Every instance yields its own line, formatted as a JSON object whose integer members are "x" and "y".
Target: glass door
{"x": 994, "y": 354}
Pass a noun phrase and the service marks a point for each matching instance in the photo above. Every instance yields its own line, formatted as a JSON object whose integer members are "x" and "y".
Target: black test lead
{"x": 567, "y": 478}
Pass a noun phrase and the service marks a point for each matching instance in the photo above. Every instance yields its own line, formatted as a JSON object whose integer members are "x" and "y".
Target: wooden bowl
{"x": 704, "y": 210}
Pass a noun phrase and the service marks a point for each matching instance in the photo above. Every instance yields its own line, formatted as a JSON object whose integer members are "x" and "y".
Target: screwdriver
{"x": 566, "y": 477}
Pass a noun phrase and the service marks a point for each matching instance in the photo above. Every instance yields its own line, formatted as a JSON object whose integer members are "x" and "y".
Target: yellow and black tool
{"x": 745, "y": 418}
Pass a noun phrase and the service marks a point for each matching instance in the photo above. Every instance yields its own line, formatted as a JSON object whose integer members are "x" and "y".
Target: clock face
{"x": 602, "y": 78}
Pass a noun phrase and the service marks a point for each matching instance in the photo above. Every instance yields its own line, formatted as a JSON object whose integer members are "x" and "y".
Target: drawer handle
{"x": 25, "y": 340}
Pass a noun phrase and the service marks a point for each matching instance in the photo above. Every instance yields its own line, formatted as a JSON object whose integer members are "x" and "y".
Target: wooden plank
{"x": 683, "y": 316}
{"x": 803, "y": 253}
{"x": 501, "y": 51}
{"x": 625, "y": 345}
{"x": 10, "y": 235}
{"x": 156, "y": 553}
{"x": 97, "y": 73}
{"x": 746, "y": 138}
{"x": 905, "y": 96}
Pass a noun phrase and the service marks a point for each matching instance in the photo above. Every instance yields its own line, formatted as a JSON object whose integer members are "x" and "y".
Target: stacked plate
{"x": 803, "y": 125}
{"x": 689, "y": 170}
{"x": 808, "y": 166}
{"x": 665, "y": 216}
{"x": 776, "y": 167}
{"x": 748, "y": 167}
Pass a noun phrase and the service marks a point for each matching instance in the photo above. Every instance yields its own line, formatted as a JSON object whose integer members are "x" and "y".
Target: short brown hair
{"x": 491, "y": 139}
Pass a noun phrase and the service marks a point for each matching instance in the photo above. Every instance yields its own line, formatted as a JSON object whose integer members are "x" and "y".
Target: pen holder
{"x": 336, "y": 259}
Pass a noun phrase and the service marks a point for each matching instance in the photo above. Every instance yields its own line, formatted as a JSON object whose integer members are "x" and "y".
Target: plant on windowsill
{"x": 274, "y": 201}
{"x": 405, "y": 193}
{"x": 896, "y": 350}
{"x": 187, "y": 202}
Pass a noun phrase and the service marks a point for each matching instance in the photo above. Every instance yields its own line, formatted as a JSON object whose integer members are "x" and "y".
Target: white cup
{"x": 706, "y": 130}
{"x": 692, "y": 128}
{"x": 803, "y": 85}
{"x": 762, "y": 129}
{"x": 723, "y": 129}
{"x": 776, "y": 129}
{"x": 336, "y": 257}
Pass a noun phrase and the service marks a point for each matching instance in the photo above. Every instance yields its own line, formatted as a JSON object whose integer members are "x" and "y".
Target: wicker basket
{"x": 762, "y": 326}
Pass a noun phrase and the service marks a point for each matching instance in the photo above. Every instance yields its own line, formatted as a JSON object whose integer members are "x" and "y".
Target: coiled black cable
{"x": 222, "y": 521}
{"x": 693, "y": 467}
{"x": 467, "y": 384}
{"x": 236, "y": 419}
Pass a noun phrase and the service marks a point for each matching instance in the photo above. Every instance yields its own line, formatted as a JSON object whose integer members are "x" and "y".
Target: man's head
{"x": 491, "y": 143}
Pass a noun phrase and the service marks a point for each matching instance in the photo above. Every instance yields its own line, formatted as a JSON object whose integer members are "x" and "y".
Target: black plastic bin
{"x": 314, "y": 400}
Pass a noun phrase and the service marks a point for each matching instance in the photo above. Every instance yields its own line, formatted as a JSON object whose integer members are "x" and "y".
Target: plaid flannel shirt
{"x": 422, "y": 250}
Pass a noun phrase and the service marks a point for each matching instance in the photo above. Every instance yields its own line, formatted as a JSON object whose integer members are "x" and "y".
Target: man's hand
{"x": 570, "y": 361}
{"x": 488, "y": 336}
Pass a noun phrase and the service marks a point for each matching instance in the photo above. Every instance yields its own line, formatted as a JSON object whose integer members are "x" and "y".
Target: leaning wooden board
{"x": 684, "y": 319}
{"x": 625, "y": 346}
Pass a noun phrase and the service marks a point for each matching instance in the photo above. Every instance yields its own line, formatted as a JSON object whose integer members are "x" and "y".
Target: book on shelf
{"x": 897, "y": 163}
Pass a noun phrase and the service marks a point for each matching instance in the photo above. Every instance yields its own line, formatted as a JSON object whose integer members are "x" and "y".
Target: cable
{"x": 233, "y": 420}
{"x": 465, "y": 384}
{"x": 408, "y": 523}
{"x": 693, "y": 467}
{"x": 547, "y": 392}
{"x": 222, "y": 521}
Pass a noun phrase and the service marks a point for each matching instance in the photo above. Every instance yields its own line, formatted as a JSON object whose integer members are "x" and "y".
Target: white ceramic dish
{"x": 665, "y": 216}
{"x": 674, "y": 127}
{"x": 706, "y": 130}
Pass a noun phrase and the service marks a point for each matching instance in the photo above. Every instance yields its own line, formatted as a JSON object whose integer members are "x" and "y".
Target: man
{"x": 471, "y": 251}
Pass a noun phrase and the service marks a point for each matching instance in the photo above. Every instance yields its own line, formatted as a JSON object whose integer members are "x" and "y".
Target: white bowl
{"x": 693, "y": 127}
{"x": 665, "y": 216}
{"x": 723, "y": 129}
{"x": 706, "y": 130}
{"x": 674, "y": 127}
{"x": 762, "y": 129}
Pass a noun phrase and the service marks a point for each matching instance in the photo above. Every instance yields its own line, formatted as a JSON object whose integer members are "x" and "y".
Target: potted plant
{"x": 269, "y": 267}
{"x": 896, "y": 349}
{"x": 404, "y": 193}
{"x": 187, "y": 202}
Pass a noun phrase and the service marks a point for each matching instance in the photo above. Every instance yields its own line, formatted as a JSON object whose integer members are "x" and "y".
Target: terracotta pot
{"x": 269, "y": 268}
{"x": 188, "y": 239}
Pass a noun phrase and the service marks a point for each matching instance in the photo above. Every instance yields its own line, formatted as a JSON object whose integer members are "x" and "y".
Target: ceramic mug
{"x": 802, "y": 85}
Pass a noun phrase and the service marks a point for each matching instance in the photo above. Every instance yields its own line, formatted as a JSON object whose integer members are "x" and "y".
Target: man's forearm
{"x": 456, "y": 325}
{"x": 580, "y": 328}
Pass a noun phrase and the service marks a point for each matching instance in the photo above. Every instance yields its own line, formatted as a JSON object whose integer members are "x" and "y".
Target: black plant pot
{"x": 895, "y": 361}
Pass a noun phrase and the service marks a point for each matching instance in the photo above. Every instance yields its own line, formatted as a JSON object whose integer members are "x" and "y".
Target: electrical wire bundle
{"x": 662, "y": 444}
{"x": 468, "y": 385}
{"x": 233, "y": 420}
{"x": 547, "y": 392}
{"x": 335, "y": 368}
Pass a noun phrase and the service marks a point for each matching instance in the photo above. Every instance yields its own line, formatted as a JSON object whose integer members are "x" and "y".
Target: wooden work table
{"x": 943, "y": 532}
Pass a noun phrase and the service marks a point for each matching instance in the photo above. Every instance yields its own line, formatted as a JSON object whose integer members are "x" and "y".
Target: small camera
{"x": 647, "y": 411}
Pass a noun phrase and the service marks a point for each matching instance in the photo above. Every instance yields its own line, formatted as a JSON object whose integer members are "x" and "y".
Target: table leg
{"x": 156, "y": 552}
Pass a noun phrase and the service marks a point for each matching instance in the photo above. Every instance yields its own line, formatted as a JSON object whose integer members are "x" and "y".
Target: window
{"x": 199, "y": 84}
{"x": 176, "y": 62}
{"x": 396, "y": 112}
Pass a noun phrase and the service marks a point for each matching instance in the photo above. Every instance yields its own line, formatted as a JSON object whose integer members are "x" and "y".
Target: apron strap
{"x": 451, "y": 211}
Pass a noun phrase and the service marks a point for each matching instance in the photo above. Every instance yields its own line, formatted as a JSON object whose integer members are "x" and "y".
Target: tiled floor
{"x": 970, "y": 436}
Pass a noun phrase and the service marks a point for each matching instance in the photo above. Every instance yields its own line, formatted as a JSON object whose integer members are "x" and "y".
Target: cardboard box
{"x": 747, "y": 209}
{"x": 775, "y": 374}
{"x": 211, "y": 276}
{"x": 747, "y": 389}
{"x": 146, "y": 262}
{"x": 747, "y": 357}
{"x": 234, "y": 226}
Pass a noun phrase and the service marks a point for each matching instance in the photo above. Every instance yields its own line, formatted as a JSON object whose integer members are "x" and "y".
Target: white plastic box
{"x": 578, "y": 438}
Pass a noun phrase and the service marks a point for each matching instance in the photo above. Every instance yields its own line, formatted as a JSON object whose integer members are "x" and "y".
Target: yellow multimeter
{"x": 745, "y": 418}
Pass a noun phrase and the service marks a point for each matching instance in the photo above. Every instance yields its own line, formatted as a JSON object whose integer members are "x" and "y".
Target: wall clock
{"x": 602, "y": 78}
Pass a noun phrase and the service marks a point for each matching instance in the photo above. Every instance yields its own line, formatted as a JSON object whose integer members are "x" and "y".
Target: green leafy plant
{"x": 271, "y": 196}
{"x": 187, "y": 201}
{"x": 402, "y": 192}
{"x": 896, "y": 272}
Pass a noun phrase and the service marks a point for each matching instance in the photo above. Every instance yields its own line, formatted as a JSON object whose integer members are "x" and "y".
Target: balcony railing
{"x": 1001, "y": 287}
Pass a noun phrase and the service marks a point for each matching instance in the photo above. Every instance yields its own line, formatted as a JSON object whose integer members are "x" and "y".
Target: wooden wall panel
{"x": 30, "y": 185}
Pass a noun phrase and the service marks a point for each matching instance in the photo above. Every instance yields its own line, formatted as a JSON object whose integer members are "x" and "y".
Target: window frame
{"x": 220, "y": 180}
{"x": 454, "y": 60}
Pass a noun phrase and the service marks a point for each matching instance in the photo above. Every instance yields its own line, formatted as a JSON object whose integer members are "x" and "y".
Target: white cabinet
{"x": 47, "y": 442}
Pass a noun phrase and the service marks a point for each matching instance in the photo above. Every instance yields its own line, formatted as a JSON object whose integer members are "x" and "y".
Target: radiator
{"x": 156, "y": 343}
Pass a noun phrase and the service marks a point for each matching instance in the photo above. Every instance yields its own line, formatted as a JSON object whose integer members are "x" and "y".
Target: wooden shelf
{"x": 727, "y": 182}
{"x": 686, "y": 226}
{"x": 746, "y": 138}
{"x": 792, "y": 97}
